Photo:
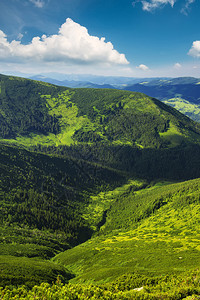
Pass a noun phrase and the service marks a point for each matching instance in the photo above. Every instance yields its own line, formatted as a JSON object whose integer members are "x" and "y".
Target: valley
{"x": 99, "y": 194}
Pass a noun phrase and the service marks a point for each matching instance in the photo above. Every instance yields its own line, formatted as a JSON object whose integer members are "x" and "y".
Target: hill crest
{"x": 33, "y": 113}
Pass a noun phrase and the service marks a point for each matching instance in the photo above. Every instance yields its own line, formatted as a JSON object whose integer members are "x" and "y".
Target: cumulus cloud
{"x": 195, "y": 49}
{"x": 177, "y": 66}
{"x": 38, "y": 3}
{"x": 154, "y": 4}
{"x": 72, "y": 44}
{"x": 143, "y": 67}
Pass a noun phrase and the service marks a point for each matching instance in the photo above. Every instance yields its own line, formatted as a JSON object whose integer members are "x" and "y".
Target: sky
{"x": 140, "y": 38}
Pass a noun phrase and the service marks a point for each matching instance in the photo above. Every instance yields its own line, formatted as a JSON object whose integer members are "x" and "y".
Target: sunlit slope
{"x": 154, "y": 232}
{"x": 181, "y": 93}
{"x": 33, "y": 113}
{"x": 187, "y": 108}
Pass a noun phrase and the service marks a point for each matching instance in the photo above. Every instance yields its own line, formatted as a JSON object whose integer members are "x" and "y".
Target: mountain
{"x": 187, "y": 108}
{"x": 97, "y": 186}
{"x": 170, "y": 81}
{"x": 184, "y": 87}
{"x": 45, "y": 201}
{"x": 87, "y": 80}
{"x": 95, "y": 79}
{"x": 71, "y": 83}
{"x": 181, "y": 93}
{"x": 98, "y": 79}
{"x": 118, "y": 129}
{"x": 147, "y": 248}
{"x": 146, "y": 232}
{"x": 40, "y": 113}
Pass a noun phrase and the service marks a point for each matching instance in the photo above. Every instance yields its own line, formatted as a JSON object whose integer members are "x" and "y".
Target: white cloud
{"x": 195, "y": 49}
{"x": 72, "y": 45}
{"x": 38, "y": 3}
{"x": 151, "y": 5}
{"x": 20, "y": 36}
{"x": 186, "y": 7}
{"x": 154, "y": 4}
{"x": 177, "y": 66}
{"x": 143, "y": 67}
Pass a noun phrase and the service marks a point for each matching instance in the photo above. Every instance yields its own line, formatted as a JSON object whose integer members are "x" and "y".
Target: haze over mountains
{"x": 76, "y": 79}
{"x": 97, "y": 186}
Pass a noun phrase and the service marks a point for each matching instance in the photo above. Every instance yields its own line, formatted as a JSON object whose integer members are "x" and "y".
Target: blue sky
{"x": 144, "y": 38}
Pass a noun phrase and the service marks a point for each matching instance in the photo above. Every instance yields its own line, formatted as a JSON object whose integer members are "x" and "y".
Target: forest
{"x": 99, "y": 195}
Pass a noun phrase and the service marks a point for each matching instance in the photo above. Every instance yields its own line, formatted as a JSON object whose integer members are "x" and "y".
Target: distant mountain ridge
{"x": 187, "y": 88}
{"x": 70, "y": 83}
{"x": 84, "y": 80}
{"x": 95, "y": 79}
{"x": 181, "y": 93}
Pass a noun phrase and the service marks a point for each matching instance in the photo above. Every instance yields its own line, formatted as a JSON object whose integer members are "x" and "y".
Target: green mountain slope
{"x": 78, "y": 169}
{"x": 44, "y": 204}
{"x": 47, "y": 192}
{"x": 119, "y": 129}
{"x": 152, "y": 232}
{"x": 181, "y": 93}
{"x": 187, "y": 108}
{"x": 34, "y": 113}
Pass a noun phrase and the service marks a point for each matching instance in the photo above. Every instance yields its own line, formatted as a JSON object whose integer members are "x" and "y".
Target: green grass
{"x": 98, "y": 204}
{"x": 67, "y": 112}
{"x": 26, "y": 253}
{"x": 164, "y": 239}
{"x": 172, "y": 136}
{"x": 30, "y": 239}
{"x": 26, "y": 250}
{"x": 28, "y": 271}
{"x": 189, "y": 109}
{"x": 127, "y": 287}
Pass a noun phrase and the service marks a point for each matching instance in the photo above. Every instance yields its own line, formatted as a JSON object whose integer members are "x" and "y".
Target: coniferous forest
{"x": 99, "y": 195}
